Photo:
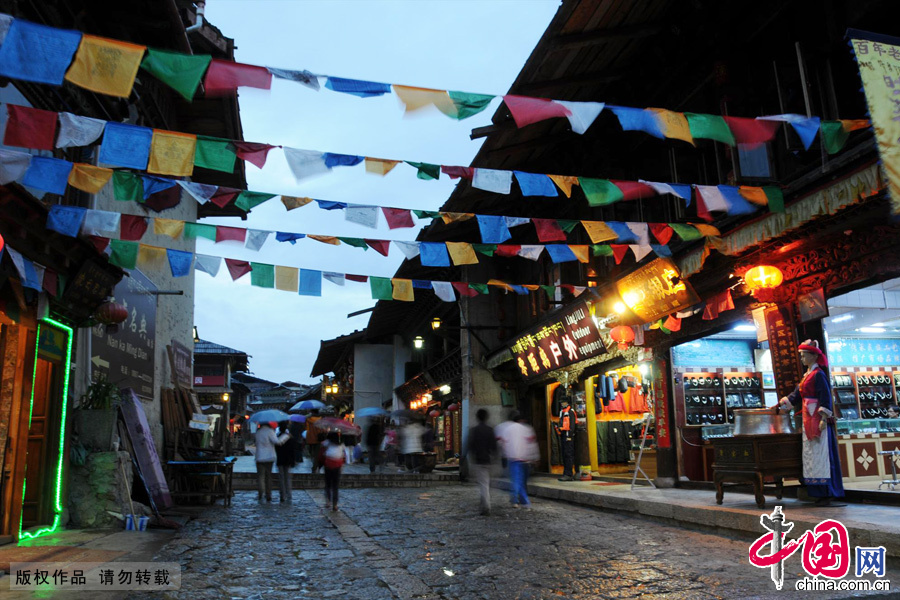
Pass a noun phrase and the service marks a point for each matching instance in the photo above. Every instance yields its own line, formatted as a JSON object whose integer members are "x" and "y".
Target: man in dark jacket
{"x": 482, "y": 446}
{"x": 374, "y": 437}
{"x": 285, "y": 459}
{"x": 566, "y": 431}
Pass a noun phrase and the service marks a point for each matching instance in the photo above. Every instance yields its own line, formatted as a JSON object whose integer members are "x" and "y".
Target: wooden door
{"x": 43, "y": 440}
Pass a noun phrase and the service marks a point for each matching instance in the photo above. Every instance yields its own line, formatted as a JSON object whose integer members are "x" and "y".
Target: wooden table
{"x": 203, "y": 478}
{"x": 752, "y": 458}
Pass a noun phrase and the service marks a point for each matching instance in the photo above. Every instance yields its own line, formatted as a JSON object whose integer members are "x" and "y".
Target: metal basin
{"x": 756, "y": 421}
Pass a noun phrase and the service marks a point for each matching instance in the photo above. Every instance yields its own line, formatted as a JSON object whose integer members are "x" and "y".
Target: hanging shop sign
{"x": 182, "y": 365}
{"x": 127, "y": 357}
{"x": 656, "y": 290}
{"x": 783, "y": 346}
{"x": 661, "y": 405}
{"x": 570, "y": 337}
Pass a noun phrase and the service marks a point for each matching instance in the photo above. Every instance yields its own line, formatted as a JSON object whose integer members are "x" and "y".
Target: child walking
{"x": 331, "y": 457}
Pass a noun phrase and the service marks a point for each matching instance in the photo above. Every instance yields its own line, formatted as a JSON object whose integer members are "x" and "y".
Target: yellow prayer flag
{"x": 89, "y": 178}
{"x": 673, "y": 124}
{"x": 599, "y": 231}
{"x": 849, "y": 125}
{"x": 325, "y": 239}
{"x": 531, "y": 286}
{"x": 415, "y": 98}
{"x": 169, "y": 227}
{"x": 581, "y": 252}
{"x": 500, "y": 284}
{"x": 172, "y": 153}
{"x": 462, "y": 253}
{"x": 403, "y": 290}
{"x": 105, "y": 66}
{"x": 706, "y": 230}
{"x": 152, "y": 258}
{"x": 380, "y": 166}
{"x": 292, "y": 202}
{"x": 565, "y": 183}
{"x": 756, "y": 195}
{"x": 455, "y": 217}
{"x": 287, "y": 279}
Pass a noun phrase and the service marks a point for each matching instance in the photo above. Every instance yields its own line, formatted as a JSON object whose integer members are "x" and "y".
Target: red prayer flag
{"x": 619, "y": 251}
{"x": 132, "y": 228}
{"x": 254, "y": 153}
{"x": 224, "y": 77}
{"x": 457, "y": 172}
{"x": 548, "y": 230}
{"x": 507, "y": 250}
{"x": 464, "y": 289}
{"x": 51, "y": 281}
{"x": 634, "y": 190}
{"x": 100, "y": 243}
{"x": 382, "y": 247}
{"x": 359, "y": 278}
{"x": 223, "y": 196}
{"x": 662, "y": 232}
{"x": 710, "y": 311}
{"x": 751, "y": 131}
{"x": 702, "y": 211}
{"x": 227, "y": 234}
{"x": 724, "y": 301}
{"x": 398, "y": 217}
{"x": 673, "y": 323}
{"x": 237, "y": 268}
{"x": 168, "y": 198}
{"x": 30, "y": 127}
{"x": 526, "y": 111}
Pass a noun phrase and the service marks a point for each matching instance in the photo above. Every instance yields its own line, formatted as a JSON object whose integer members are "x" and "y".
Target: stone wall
{"x": 97, "y": 489}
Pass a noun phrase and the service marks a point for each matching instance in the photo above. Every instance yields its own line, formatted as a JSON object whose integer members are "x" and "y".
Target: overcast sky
{"x": 466, "y": 45}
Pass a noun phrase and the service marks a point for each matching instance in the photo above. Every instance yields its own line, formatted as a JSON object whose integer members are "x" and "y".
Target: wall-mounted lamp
{"x": 418, "y": 342}
{"x": 436, "y": 323}
{"x": 619, "y": 307}
{"x": 445, "y": 389}
{"x": 225, "y": 397}
{"x": 196, "y": 337}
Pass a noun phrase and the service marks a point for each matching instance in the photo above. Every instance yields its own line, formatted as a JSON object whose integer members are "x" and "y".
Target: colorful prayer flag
{"x": 638, "y": 119}
{"x": 426, "y": 171}
{"x": 416, "y": 98}
{"x": 13, "y": 165}
{"x": 262, "y": 275}
{"x": 526, "y": 111}
{"x": 382, "y": 247}
{"x": 132, "y": 227}
{"x": 493, "y": 229}
{"x": 127, "y": 187}
{"x": 565, "y": 183}
{"x": 462, "y": 253}
{"x": 48, "y": 174}
{"x": 37, "y": 53}
{"x": 287, "y": 279}
{"x": 535, "y": 184}
{"x": 381, "y": 288}
{"x": 292, "y": 202}
{"x": 397, "y": 217}
{"x": 302, "y": 77}
{"x": 751, "y": 131}
{"x": 600, "y": 192}
{"x": 230, "y": 234}
{"x": 248, "y": 200}
{"x": 356, "y": 87}
{"x": 224, "y": 77}
{"x": 598, "y": 231}
{"x": 169, "y": 227}
{"x": 123, "y": 254}
{"x": 673, "y": 125}
{"x": 548, "y": 230}
{"x": 151, "y": 258}
{"x": 492, "y": 180}
{"x": 254, "y": 153}
{"x": 305, "y": 163}
{"x": 179, "y": 262}
{"x": 214, "y": 153}
{"x": 77, "y": 131}
{"x": 172, "y": 153}
{"x": 560, "y": 253}
{"x": 443, "y": 290}
{"x": 463, "y": 289}
{"x": 433, "y": 254}
{"x": 89, "y": 178}
{"x": 583, "y": 114}
{"x": 105, "y": 66}
{"x": 207, "y": 264}
{"x": 380, "y": 166}
{"x": 181, "y": 72}
{"x": 29, "y": 127}
{"x": 193, "y": 231}
{"x": 403, "y": 290}
{"x": 65, "y": 219}
{"x": 466, "y": 105}
{"x": 237, "y": 268}
{"x": 126, "y": 145}
{"x": 711, "y": 127}
{"x": 101, "y": 223}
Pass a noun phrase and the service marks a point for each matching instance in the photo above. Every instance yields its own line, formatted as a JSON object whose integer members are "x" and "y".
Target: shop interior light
{"x": 445, "y": 389}
{"x": 418, "y": 342}
{"x": 619, "y": 307}
{"x": 631, "y": 298}
{"x": 436, "y": 323}
{"x": 841, "y": 318}
{"x": 644, "y": 368}
{"x": 871, "y": 329}
{"x": 745, "y": 328}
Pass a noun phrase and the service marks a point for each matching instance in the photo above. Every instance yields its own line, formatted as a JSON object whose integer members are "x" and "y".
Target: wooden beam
{"x": 480, "y": 132}
{"x": 599, "y": 77}
{"x": 572, "y": 41}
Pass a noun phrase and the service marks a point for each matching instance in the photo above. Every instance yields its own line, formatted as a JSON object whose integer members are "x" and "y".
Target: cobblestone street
{"x": 431, "y": 543}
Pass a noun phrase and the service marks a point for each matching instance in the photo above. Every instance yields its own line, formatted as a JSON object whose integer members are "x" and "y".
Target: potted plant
{"x": 95, "y": 415}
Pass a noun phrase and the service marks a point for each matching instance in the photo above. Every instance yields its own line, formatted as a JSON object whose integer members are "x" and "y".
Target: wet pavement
{"x": 414, "y": 543}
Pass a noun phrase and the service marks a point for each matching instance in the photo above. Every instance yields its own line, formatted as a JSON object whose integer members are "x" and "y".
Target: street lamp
{"x": 196, "y": 337}
{"x": 436, "y": 323}
{"x": 418, "y": 342}
{"x": 225, "y": 397}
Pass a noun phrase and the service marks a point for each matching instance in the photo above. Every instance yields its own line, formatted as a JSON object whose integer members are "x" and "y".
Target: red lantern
{"x": 763, "y": 277}
{"x": 453, "y": 407}
{"x": 110, "y": 313}
{"x": 434, "y": 413}
{"x": 623, "y": 335}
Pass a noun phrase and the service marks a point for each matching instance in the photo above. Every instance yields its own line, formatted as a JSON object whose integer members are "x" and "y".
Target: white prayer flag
{"x": 583, "y": 113}
{"x": 444, "y": 290}
{"x": 409, "y": 249}
{"x": 493, "y": 180}
{"x": 305, "y": 163}
{"x": 367, "y": 216}
{"x": 104, "y": 223}
{"x": 201, "y": 192}
{"x": 255, "y": 239}
{"x": 207, "y": 264}
{"x": 78, "y": 131}
{"x": 335, "y": 278}
{"x": 531, "y": 252}
{"x": 13, "y": 165}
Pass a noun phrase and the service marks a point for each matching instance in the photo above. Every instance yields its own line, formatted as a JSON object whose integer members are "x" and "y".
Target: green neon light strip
{"x": 62, "y": 427}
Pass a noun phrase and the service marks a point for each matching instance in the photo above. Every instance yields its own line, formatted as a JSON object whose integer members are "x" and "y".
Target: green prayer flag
{"x": 663, "y": 328}
{"x": 710, "y": 127}
{"x": 181, "y": 72}
{"x": 426, "y": 170}
{"x": 123, "y": 254}
{"x": 467, "y": 104}
{"x": 775, "y": 198}
{"x": 61, "y": 281}
{"x": 486, "y": 249}
{"x": 834, "y": 136}
{"x": 426, "y": 214}
{"x": 601, "y": 250}
{"x": 192, "y": 231}
{"x": 127, "y": 187}
{"x": 687, "y": 233}
{"x": 214, "y": 153}
{"x": 600, "y": 192}
{"x": 355, "y": 242}
{"x": 381, "y": 288}
{"x": 567, "y": 225}
{"x": 247, "y": 200}
{"x": 550, "y": 290}
{"x": 481, "y": 288}
{"x": 262, "y": 275}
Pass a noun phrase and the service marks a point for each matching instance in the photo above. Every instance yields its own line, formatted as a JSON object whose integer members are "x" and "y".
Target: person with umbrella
{"x": 266, "y": 440}
{"x": 286, "y": 458}
{"x": 374, "y": 437}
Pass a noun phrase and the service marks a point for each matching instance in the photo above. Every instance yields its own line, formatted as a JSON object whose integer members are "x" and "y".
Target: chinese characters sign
{"x": 661, "y": 405}
{"x": 656, "y": 290}
{"x": 878, "y": 58}
{"x": 52, "y": 577}
{"x": 569, "y": 338}
{"x": 783, "y": 346}
{"x": 127, "y": 357}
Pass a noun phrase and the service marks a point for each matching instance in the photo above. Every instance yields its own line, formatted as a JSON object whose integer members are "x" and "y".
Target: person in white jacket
{"x": 520, "y": 447}
{"x": 266, "y": 440}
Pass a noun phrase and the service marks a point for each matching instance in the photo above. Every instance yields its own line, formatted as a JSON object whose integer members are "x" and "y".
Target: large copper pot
{"x": 755, "y": 421}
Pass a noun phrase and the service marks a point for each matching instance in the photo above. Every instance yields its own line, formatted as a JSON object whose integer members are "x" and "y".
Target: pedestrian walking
{"x": 565, "y": 428}
{"x": 428, "y": 438}
{"x": 374, "y": 437}
{"x": 411, "y": 442}
{"x": 285, "y": 459}
{"x": 520, "y": 446}
{"x": 331, "y": 458}
{"x": 312, "y": 435}
{"x": 390, "y": 446}
{"x": 266, "y": 441}
{"x": 480, "y": 451}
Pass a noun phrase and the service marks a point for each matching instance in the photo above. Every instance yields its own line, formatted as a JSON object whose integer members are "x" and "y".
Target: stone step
{"x": 307, "y": 481}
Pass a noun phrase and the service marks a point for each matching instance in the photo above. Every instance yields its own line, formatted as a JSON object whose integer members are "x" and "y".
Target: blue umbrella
{"x": 298, "y": 418}
{"x": 265, "y": 416}
{"x": 308, "y": 405}
{"x": 371, "y": 411}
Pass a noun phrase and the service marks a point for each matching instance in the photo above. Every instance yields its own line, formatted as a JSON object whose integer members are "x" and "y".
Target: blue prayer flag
{"x": 623, "y": 232}
{"x": 522, "y": 291}
{"x": 637, "y": 119}
{"x": 152, "y": 185}
{"x": 737, "y": 204}
{"x": 285, "y": 236}
{"x": 422, "y": 284}
{"x": 48, "y": 174}
{"x": 661, "y": 250}
{"x": 66, "y": 220}
{"x": 434, "y": 254}
{"x": 329, "y": 205}
{"x": 341, "y": 160}
{"x": 806, "y": 129}
{"x": 310, "y": 283}
{"x": 535, "y": 184}
{"x": 560, "y": 253}
{"x": 683, "y": 191}
{"x": 180, "y": 262}
{"x": 493, "y": 229}
{"x": 356, "y": 87}
{"x": 126, "y": 145}
{"x": 31, "y": 276}
{"x": 37, "y": 53}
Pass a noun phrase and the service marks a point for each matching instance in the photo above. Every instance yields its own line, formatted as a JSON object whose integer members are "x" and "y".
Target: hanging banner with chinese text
{"x": 783, "y": 346}
{"x": 656, "y": 290}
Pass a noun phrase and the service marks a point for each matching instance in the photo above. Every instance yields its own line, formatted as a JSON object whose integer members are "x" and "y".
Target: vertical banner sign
{"x": 878, "y": 58}
{"x": 661, "y": 404}
{"x": 783, "y": 346}
{"x": 448, "y": 434}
